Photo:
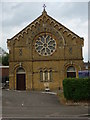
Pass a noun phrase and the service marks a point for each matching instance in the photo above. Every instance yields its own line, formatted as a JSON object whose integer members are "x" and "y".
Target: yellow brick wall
{"x": 31, "y": 61}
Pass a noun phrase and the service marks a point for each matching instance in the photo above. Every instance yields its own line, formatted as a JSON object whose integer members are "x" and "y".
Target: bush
{"x": 76, "y": 89}
{"x": 5, "y": 60}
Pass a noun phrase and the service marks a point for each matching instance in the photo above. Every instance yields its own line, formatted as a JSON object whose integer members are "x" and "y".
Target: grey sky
{"x": 17, "y": 15}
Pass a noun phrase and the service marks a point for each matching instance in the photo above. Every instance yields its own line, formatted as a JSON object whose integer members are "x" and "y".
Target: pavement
{"x": 36, "y": 105}
{"x": 60, "y": 118}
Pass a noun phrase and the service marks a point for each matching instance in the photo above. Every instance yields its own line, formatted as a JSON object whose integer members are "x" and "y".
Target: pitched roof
{"x": 44, "y": 13}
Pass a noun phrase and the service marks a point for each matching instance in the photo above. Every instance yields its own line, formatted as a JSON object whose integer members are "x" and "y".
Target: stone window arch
{"x": 20, "y": 70}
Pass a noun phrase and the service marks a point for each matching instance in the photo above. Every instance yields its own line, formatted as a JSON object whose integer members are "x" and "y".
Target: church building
{"x": 43, "y": 54}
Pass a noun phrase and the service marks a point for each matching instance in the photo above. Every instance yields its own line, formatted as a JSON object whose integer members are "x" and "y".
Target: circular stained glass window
{"x": 45, "y": 45}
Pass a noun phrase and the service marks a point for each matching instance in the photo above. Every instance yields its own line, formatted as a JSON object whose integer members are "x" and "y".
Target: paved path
{"x": 60, "y": 118}
{"x": 34, "y": 104}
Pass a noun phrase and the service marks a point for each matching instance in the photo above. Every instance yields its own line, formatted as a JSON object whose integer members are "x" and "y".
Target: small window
{"x": 70, "y": 50}
{"x": 50, "y": 75}
{"x": 87, "y": 67}
{"x": 71, "y": 72}
{"x": 20, "y": 52}
{"x": 41, "y": 76}
{"x": 46, "y": 76}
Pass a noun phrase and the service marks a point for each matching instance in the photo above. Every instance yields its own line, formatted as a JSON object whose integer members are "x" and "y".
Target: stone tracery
{"x": 45, "y": 45}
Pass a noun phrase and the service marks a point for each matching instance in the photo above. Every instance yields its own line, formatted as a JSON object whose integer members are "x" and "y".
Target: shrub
{"x": 5, "y": 60}
{"x": 76, "y": 89}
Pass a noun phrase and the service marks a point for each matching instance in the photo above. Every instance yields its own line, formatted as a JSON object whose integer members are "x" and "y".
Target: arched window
{"x": 50, "y": 75}
{"x": 41, "y": 75}
{"x": 46, "y": 76}
{"x": 71, "y": 72}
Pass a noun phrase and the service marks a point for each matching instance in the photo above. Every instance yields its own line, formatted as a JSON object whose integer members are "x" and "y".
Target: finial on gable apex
{"x": 44, "y": 11}
{"x": 44, "y": 6}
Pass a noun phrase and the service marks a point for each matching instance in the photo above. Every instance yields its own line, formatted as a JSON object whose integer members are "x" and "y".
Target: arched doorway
{"x": 20, "y": 79}
{"x": 71, "y": 72}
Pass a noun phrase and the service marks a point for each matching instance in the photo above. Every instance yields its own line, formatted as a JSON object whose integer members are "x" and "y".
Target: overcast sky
{"x": 17, "y": 15}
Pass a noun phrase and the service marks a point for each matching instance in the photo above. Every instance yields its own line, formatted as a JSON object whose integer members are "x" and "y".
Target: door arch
{"x": 20, "y": 79}
{"x": 71, "y": 72}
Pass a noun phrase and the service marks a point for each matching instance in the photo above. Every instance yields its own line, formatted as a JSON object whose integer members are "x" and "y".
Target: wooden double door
{"x": 21, "y": 82}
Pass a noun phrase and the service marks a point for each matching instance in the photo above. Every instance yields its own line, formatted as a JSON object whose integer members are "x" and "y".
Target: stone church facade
{"x": 43, "y": 54}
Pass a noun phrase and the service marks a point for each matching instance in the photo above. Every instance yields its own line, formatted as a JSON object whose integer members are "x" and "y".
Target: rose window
{"x": 45, "y": 45}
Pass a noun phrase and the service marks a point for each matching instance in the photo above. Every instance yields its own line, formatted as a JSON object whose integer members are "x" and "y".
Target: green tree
{"x": 5, "y": 60}
{"x": 0, "y": 59}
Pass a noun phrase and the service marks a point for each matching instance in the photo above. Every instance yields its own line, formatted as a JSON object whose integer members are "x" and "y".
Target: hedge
{"x": 76, "y": 89}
